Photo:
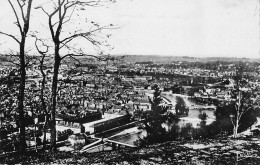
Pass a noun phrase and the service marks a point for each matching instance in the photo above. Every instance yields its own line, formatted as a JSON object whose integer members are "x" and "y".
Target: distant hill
{"x": 170, "y": 59}
{"x": 150, "y": 58}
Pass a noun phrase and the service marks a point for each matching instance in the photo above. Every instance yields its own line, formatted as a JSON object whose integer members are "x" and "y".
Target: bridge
{"x": 100, "y": 144}
{"x": 117, "y": 144}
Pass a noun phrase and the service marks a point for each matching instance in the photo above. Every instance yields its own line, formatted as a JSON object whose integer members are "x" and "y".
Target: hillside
{"x": 222, "y": 151}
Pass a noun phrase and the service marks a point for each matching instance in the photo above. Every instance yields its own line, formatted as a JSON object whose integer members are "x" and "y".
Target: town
{"x": 101, "y": 100}
{"x": 129, "y": 82}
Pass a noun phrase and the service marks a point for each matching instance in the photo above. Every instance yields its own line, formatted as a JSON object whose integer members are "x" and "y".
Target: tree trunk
{"x": 44, "y": 133}
{"x": 43, "y": 104}
{"x": 235, "y": 129}
{"x": 21, "y": 95}
{"x": 23, "y": 32}
{"x": 53, "y": 97}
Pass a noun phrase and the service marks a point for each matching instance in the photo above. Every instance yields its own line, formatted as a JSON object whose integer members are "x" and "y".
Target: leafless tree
{"x": 42, "y": 59}
{"x": 22, "y": 12}
{"x": 241, "y": 99}
{"x": 60, "y": 14}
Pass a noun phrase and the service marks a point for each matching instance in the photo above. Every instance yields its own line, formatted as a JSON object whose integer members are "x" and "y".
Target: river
{"x": 130, "y": 135}
{"x": 195, "y": 109}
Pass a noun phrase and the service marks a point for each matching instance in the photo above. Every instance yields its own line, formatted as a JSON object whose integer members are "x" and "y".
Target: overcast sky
{"x": 226, "y": 28}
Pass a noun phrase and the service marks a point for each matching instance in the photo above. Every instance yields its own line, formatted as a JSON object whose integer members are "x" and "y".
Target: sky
{"x": 200, "y": 28}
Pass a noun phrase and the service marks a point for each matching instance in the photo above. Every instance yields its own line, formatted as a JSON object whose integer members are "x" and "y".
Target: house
{"x": 142, "y": 106}
{"x": 210, "y": 90}
{"x": 223, "y": 95}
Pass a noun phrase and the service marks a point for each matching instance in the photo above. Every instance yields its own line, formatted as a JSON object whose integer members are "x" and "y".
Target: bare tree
{"x": 42, "y": 59}
{"x": 242, "y": 99}
{"x": 22, "y": 14}
{"x": 62, "y": 12}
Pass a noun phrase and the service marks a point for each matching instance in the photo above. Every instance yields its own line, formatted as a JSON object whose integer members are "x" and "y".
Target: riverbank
{"x": 220, "y": 150}
{"x": 195, "y": 109}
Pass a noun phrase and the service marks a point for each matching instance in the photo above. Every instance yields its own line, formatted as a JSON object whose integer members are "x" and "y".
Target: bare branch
{"x": 27, "y": 18}
{"x": 43, "y": 44}
{"x": 94, "y": 3}
{"x": 51, "y": 26}
{"x": 66, "y": 6}
{"x": 70, "y": 15}
{"x": 85, "y": 34}
{"x": 40, "y": 7}
{"x": 21, "y": 8}
{"x": 79, "y": 55}
{"x": 16, "y": 16}
{"x": 12, "y": 36}
{"x": 75, "y": 59}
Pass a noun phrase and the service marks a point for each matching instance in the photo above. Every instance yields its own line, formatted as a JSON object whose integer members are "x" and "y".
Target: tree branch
{"x": 27, "y": 18}
{"x": 40, "y": 7}
{"x": 50, "y": 19}
{"x": 85, "y": 34}
{"x": 9, "y": 35}
{"x": 16, "y": 16}
{"x": 37, "y": 47}
{"x": 21, "y": 8}
{"x": 79, "y": 55}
